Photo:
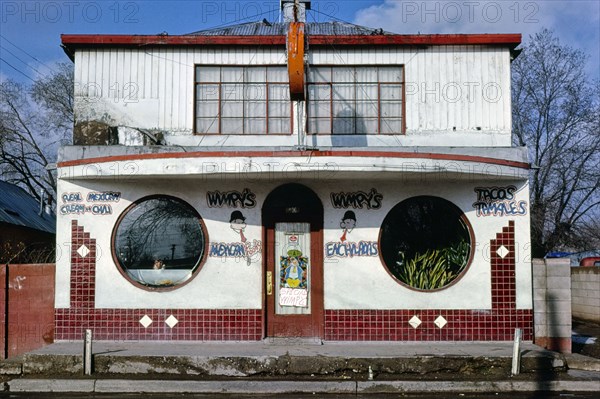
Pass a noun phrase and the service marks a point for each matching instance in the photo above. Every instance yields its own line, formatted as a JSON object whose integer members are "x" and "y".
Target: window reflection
{"x": 352, "y": 100}
{"x": 159, "y": 242}
{"x": 242, "y": 100}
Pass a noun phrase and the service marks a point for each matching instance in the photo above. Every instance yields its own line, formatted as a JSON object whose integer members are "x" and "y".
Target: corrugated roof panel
{"x": 21, "y": 209}
{"x": 266, "y": 28}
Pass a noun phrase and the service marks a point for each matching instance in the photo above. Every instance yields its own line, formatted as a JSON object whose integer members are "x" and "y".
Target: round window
{"x": 426, "y": 242}
{"x": 159, "y": 242}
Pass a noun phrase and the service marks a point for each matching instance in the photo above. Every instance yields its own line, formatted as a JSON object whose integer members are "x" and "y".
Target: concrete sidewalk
{"x": 298, "y": 366}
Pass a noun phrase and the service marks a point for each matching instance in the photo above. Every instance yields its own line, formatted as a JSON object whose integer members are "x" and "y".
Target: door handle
{"x": 269, "y": 283}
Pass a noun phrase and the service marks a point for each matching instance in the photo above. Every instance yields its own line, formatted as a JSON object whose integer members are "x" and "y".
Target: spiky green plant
{"x": 433, "y": 269}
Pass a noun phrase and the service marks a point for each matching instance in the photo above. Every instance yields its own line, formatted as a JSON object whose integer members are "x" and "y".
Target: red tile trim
{"x": 83, "y": 269}
{"x": 496, "y": 324}
{"x": 124, "y": 324}
{"x": 392, "y": 325}
{"x": 192, "y": 324}
{"x": 503, "y": 269}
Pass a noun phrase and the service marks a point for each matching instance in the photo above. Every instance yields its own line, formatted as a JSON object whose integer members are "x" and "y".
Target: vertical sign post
{"x": 516, "y": 358}
{"x": 87, "y": 353}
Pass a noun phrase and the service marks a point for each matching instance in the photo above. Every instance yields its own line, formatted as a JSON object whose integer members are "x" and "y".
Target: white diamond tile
{"x": 414, "y": 322}
{"x": 171, "y": 321}
{"x": 440, "y": 322}
{"x": 502, "y": 252}
{"x": 145, "y": 321}
{"x": 83, "y": 251}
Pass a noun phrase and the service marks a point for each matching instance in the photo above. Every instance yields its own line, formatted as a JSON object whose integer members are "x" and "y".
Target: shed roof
{"x": 19, "y": 208}
{"x": 265, "y": 28}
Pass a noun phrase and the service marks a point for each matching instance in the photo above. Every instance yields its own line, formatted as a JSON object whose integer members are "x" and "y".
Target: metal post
{"x": 87, "y": 353}
{"x": 516, "y": 358}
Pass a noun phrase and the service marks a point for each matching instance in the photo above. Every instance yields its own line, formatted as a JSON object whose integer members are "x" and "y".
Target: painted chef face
{"x": 348, "y": 224}
{"x": 238, "y": 224}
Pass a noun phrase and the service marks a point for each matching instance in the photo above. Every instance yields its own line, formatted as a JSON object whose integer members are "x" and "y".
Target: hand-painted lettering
{"x": 357, "y": 199}
{"x": 71, "y": 197}
{"x": 248, "y": 249}
{"x": 498, "y": 201}
{"x": 489, "y": 194}
{"x": 72, "y": 209}
{"x": 103, "y": 196}
{"x": 75, "y": 205}
{"x": 501, "y": 208}
{"x": 229, "y": 250}
{"x": 231, "y": 199}
{"x": 296, "y": 297}
{"x": 100, "y": 209}
{"x": 350, "y": 249}
{"x": 80, "y": 209}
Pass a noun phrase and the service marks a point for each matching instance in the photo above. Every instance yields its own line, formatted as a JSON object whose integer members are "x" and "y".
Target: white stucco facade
{"x": 360, "y": 282}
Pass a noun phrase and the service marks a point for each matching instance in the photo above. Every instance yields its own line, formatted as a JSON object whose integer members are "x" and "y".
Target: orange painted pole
{"x": 295, "y": 59}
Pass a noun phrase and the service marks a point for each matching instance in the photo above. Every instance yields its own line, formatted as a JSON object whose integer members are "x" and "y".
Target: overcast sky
{"x": 30, "y": 30}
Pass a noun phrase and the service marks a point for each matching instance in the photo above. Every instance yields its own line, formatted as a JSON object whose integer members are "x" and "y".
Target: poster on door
{"x": 293, "y": 282}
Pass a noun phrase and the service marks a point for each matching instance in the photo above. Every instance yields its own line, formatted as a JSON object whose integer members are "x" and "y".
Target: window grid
{"x": 277, "y": 120}
{"x": 351, "y": 121}
{"x": 394, "y": 124}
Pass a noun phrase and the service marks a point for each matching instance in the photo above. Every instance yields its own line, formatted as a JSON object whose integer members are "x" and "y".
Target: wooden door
{"x": 293, "y": 221}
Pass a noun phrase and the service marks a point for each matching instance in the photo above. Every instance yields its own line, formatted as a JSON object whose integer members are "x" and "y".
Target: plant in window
{"x": 425, "y": 242}
{"x": 433, "y": 269}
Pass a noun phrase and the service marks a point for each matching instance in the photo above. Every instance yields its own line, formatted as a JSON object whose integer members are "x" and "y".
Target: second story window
{"x": 242, "y": 100}
{"x": 355, "y": 100}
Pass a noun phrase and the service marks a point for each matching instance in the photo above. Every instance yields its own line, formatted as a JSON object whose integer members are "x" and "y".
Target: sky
{"x": 30, "y": 30}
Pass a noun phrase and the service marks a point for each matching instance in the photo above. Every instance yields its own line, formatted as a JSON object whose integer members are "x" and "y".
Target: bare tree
{"x": 34, "y": 121}
{"x": 556, "y": 115}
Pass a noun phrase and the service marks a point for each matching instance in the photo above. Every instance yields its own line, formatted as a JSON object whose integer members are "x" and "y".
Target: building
{"x": 27, "y": 228}
{"x": 316, "y": 180}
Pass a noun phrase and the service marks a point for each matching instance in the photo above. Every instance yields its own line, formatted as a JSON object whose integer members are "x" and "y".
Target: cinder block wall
{"x": 552, "y": 304}
{"x": 585, "y": 293}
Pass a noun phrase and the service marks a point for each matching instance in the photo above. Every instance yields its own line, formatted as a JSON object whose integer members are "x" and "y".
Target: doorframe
{"x": 315, "y": 218}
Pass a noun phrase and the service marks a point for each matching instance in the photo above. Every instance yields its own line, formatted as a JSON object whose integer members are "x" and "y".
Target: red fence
{"x": 26, "y": 308}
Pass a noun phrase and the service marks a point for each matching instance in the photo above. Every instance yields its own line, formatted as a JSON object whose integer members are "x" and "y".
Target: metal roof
{"x": 266, "y": 28}
{"x": 19, "y": 208}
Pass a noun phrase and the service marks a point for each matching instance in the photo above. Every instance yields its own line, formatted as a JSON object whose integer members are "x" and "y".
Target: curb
{"x": 576, "y": 361}
{"x": 280, "y": 387}
{"x": 476, "y": 386}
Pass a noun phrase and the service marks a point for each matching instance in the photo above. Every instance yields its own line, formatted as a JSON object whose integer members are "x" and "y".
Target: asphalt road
{"x": 433, "y": 395}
